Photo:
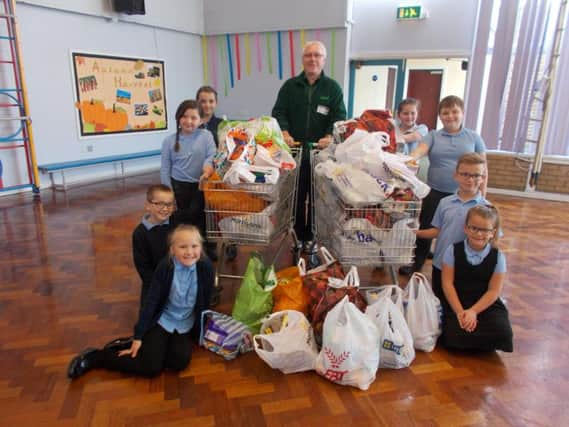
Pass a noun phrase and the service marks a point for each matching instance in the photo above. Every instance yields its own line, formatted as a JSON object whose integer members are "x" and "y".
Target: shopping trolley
{"x": 255, "y": 214}
{"x": 379, "y": 236}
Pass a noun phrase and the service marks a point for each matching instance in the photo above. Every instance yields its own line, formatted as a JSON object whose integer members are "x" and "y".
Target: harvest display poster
{"x": 119, "y": 95}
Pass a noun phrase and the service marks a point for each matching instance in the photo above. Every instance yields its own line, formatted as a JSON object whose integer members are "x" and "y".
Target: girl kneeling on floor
{"x": 473, "y": 275}
{"x": 180, "y": 291}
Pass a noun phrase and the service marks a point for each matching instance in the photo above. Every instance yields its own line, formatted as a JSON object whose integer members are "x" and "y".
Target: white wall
{"x": 448, "y": 31}
{"x": 453, "y": 79}
{"x": 47, "y": 37}
{"x": 180, "y": 15}
{"x": 229, "y": 16}
{"x": 255, "y": 94}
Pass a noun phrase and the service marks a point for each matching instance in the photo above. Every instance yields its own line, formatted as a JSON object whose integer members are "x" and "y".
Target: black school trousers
{"x": 428, "y": 208}
{"x": 190, "y": 204}
{"x": 160, "y": 350}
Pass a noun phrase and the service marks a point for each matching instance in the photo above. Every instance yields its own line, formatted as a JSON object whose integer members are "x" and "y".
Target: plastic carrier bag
{"x": 393, "y": 292}
{"x": 350, "y": 351}
{"x": 224, "y": 335}
{"x": 218, "y": 199}
{"x": 395, "y": 341}
{"x": 423, "y": 313}
{"x": 316, "y": 280}
{"x": 254, "y": 299}
{"x": 290, "y": 294}
{"x": 337, "y": 289}
{"x": 286, "y": 342}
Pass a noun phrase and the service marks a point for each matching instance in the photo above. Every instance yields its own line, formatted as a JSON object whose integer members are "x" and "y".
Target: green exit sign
{"x": 409, "y": 12}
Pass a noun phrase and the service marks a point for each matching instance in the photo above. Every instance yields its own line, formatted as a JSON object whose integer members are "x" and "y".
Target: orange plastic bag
{"x": 221, "y": 197}
{"x": 289, "y": 293}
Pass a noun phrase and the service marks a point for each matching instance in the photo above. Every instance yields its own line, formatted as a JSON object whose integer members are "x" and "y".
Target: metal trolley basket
{"x": 380, "y": 235}
{"x": 251, "y": 214}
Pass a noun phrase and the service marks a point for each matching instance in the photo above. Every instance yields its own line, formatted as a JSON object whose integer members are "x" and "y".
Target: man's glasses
{"x": 474, "y": 229}
{"x": 470, "y": 175}
{"x": 162, "y": 205}
{"x": 313, "y": 55}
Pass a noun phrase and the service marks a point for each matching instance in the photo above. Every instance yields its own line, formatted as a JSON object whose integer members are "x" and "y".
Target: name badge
{"x": 322, "y": 109}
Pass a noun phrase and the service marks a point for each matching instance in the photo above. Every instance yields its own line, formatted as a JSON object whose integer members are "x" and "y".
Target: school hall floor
{"x": 67, "y": 282}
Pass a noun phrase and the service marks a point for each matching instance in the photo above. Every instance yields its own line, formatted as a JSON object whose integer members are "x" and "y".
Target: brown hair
{"x": 451, "y": 101}
{"x": 470, "y": 159}
{"x": 153, "y": 189}
{"x": 206, "y": 89}
{"x": 488, "y": 212}
{"x": 408, "y": 101}
{"x": 184, "y": 227}
{"x": 188, "y": 104}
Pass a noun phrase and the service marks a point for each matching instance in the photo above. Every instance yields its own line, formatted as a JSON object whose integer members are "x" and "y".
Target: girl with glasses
{"x": 473, "y": 276}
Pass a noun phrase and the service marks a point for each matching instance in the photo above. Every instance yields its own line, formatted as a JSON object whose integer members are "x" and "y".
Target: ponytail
{"x": 177, "y": 144}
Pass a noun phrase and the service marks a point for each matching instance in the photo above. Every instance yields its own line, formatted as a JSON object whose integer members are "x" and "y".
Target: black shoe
{"x": 406, "y": 270}
{"x": 119, "y": 344}
{"x": 81, "y": 363}
{"x": 230, "y": 252}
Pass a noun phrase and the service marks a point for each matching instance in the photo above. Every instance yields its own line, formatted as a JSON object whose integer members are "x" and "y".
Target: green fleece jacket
{"x": 308, "y": 112}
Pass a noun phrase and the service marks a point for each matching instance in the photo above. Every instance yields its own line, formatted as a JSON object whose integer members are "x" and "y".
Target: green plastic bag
{"x": 254, "y": 300}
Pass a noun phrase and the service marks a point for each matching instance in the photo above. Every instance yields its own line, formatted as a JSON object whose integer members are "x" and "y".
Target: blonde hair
{"x": 489, "y": 213}
{"x": 185, "y": 227}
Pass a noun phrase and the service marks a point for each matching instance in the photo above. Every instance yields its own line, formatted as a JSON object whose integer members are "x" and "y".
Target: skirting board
{"x": 540, "y": 195}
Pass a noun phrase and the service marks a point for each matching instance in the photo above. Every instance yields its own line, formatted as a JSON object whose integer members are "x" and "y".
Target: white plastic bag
{"x": 399, "y": 243}
{"x": 238, "y": 173}
{"x": 395, "y": 341}
{"x": 393, "y": 292}
{"x": 358, "y": 188}
{"x": 246, "y": 226}
{"x": 280, "y": 159}
{"x": 350, "y": 354}
{"x": 361, "y": 145}
{"x": 423, "y": 313}
{"x": 241, "y": 172}
{"x": 286, "y": 342}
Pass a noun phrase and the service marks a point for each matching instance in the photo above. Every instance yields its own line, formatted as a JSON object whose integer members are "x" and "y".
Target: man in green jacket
{"x": 307, "y": 107}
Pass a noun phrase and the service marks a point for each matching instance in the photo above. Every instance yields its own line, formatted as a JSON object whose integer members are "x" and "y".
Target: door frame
{"x": 400, "y": 80}
{"x": 430, "y": 69}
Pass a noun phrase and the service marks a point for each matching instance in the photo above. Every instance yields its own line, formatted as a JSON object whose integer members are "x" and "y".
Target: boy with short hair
{"x": 443, "y": 147}
{"x": 450, "y": 215}
{"x": 150, "y": 237}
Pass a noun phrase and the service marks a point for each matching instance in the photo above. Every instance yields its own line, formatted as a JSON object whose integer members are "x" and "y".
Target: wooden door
{"x": 425, "y": 85}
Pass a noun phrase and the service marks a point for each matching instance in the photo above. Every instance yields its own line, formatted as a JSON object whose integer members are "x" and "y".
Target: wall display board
{"x": 118, "y": 95}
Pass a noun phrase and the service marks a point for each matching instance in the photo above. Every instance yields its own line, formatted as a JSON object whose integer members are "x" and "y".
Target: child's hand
{"x": 412, "y": 163}
{"x": 207, "y": 172}
{"x": 133, "y": 350}
{"x": 468, "y": 320}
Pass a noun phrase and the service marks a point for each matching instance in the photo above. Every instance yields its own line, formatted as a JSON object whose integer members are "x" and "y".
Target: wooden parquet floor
{"x": 67, "y": 282}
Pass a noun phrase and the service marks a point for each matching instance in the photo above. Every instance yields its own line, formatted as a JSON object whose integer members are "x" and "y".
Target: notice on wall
{"x": 116, "y": 95}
